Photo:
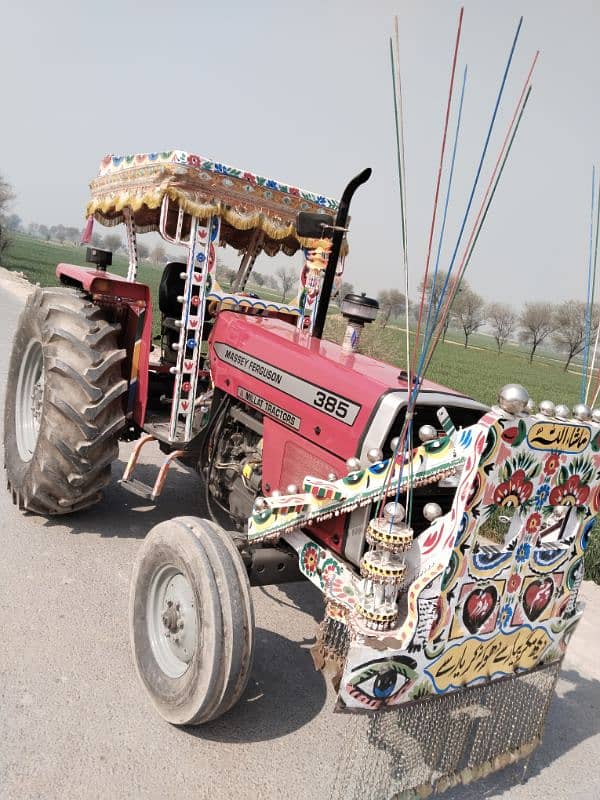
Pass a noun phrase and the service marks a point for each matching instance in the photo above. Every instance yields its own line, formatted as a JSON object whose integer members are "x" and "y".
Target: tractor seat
{"x": 171, "y": 286}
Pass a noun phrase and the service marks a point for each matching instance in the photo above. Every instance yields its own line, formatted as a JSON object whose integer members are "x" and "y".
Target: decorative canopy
{"x": 244, "y": 201}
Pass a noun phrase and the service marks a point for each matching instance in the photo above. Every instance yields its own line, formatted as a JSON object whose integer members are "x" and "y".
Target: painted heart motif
{"x": 202, "y": 232}
{"x": 193, "y": 323}
{"x": 184, "y": 405}
{"x": 536, "y": 597}
{"x": 478, "y": 607}
{"x": 188, "y": 366}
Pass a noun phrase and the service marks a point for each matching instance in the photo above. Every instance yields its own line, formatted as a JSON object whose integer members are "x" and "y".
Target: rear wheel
{"x": 191, "y": 620}
{"x": 63, "y": 409}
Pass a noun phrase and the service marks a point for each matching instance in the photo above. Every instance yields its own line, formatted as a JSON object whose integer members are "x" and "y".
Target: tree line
{"x": 562, "y": 324}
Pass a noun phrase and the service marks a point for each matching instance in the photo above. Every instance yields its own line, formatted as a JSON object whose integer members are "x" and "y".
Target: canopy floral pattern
{"x": 244, "y": 201}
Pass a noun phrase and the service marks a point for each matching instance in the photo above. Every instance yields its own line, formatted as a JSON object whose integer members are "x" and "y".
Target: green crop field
{"x": 477, "y": 371}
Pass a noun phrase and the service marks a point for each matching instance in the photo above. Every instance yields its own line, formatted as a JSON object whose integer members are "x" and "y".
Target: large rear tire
{"x": 63, "y": 409}
{"x": 191, "y": 620}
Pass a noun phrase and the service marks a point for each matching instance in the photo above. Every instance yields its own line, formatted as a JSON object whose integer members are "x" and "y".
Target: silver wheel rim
{"x": 172, "y": 622}
{"x": 29, "y": 400}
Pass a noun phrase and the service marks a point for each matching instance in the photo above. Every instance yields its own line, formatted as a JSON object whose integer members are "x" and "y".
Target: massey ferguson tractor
{"x": 451, "y": 642}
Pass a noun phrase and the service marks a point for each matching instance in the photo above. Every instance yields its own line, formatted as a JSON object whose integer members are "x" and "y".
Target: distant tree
{"x": 345, "y": 288}
{"x": 14, "y": 222}
{"x": 158, "y": 254}
{"x": 59, "y": 234}
{"x": 432, "y": 294}
{"x": 391, "y": 305}
{"x": 287, "y": 279}
{"x": 73, "y": 234}
{"x": 113, "y": 242}
{"x": 468, "y": 309}
{"x": 570, "y": 324}
{"x": 258, "y": 278}
{"x": 33, "y": 229}
{"x": 6, "y": 197}
{"x": 537, "y": 322}
{"x": 502, "y": 320}
{"x": 143, "y": 251}
{"x": 44, "y": 232}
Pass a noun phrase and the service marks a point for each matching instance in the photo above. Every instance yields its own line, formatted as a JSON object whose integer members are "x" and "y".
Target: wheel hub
{"x": 29, "y": 400}
{"x": 172, "y": 621}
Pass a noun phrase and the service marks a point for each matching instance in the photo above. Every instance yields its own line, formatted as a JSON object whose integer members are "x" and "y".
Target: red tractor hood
{"x": 306, "y": 384}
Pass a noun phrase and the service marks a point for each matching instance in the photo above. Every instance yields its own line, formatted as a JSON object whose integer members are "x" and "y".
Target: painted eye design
{"x": 380, "y": 682}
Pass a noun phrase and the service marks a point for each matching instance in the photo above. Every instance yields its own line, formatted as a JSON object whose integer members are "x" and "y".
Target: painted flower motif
{"x": 248, "y": 176}
{"x": 294, "y": 191}
{"x": 570, "y": 493}
{"x": 194, "y": 161}
{"x": 329, "y": 571}
{"x": 513, "y": 492}
{"x": 221, "y": 168}
{"x": 322, "y": 201}
{"x": 310, "y": 559}
{"x": 513, "y": 583}
{"x": 541, "y": 496}
{"x": 271, "y": 184}
{"x": 533, "y": 523}
{"x": 523, "y": 551}
{"x": 551, "y": 464}
{"x": 505, "y": 614}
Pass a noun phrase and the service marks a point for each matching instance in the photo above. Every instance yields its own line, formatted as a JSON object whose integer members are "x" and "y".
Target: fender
{"x": 110, "y": 290}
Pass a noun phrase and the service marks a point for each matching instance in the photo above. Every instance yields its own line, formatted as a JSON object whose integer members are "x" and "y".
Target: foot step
{"x": 139, "y": 488}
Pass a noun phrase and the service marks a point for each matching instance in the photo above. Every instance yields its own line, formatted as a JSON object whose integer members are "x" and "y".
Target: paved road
{"x": 74, "y": 721}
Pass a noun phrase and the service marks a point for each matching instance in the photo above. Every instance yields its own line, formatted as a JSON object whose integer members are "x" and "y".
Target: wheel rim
{"x": 29, "y": 400}
{"x": 172, "y": 621}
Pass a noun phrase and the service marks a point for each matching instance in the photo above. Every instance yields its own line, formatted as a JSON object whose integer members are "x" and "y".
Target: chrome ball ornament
{"x": 562, "y": 411}
{"x": 394, "y": 512}
{"x": 596, "y": 415}
{"x": 260, "y": 503}
{"x": 531, "y": 407}
{"x": 394, "y": 443}
{"x": 431, "y": 511}
{"x": 332, "y": 476}
{"x": 427, "y": 433}
{"x": 547, "y": 408}
{"x": 374, "y": 455}
{"x": 292, "y": 489}
{"x": 513, "y": 398}
{"x": 353, "y": 464}
{"x": 275, "y": 493}
{"x": 582, "y": 412}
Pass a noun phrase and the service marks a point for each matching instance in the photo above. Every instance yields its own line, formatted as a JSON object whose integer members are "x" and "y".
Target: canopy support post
{"x": 131, "y": 244}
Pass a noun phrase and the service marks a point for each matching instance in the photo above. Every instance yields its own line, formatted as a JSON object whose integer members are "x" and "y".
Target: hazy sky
{"x": 302, "y": 92}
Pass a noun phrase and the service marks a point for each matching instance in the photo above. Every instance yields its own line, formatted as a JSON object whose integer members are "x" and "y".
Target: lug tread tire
{"x": 82, "y": 410}
{"x": 219, "y": 672}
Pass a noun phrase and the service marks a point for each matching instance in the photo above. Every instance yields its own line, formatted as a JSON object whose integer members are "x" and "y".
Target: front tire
{"x": 191, "y": 620}
{"x": 63, "y": 409}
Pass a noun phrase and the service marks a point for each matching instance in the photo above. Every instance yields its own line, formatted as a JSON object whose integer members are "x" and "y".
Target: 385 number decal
{"x": 331, "y": 404}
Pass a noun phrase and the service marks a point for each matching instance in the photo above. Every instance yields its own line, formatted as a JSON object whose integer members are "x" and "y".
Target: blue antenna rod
{"x": 428, "y": 328}
{"x": 478, "y": 173}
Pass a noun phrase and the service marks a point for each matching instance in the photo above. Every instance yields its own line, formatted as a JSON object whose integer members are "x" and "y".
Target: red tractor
{"x": 294, "y": 439}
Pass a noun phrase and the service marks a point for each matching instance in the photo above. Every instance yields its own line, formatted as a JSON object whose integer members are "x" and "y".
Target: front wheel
{"x": 191, "y": 620}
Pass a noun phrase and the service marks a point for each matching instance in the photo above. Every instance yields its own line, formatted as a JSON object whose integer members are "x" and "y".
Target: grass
{"x": 477, "y": 371}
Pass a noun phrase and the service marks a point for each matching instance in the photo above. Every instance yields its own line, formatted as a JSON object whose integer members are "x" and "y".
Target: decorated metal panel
{"x": 472, "y": 611}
